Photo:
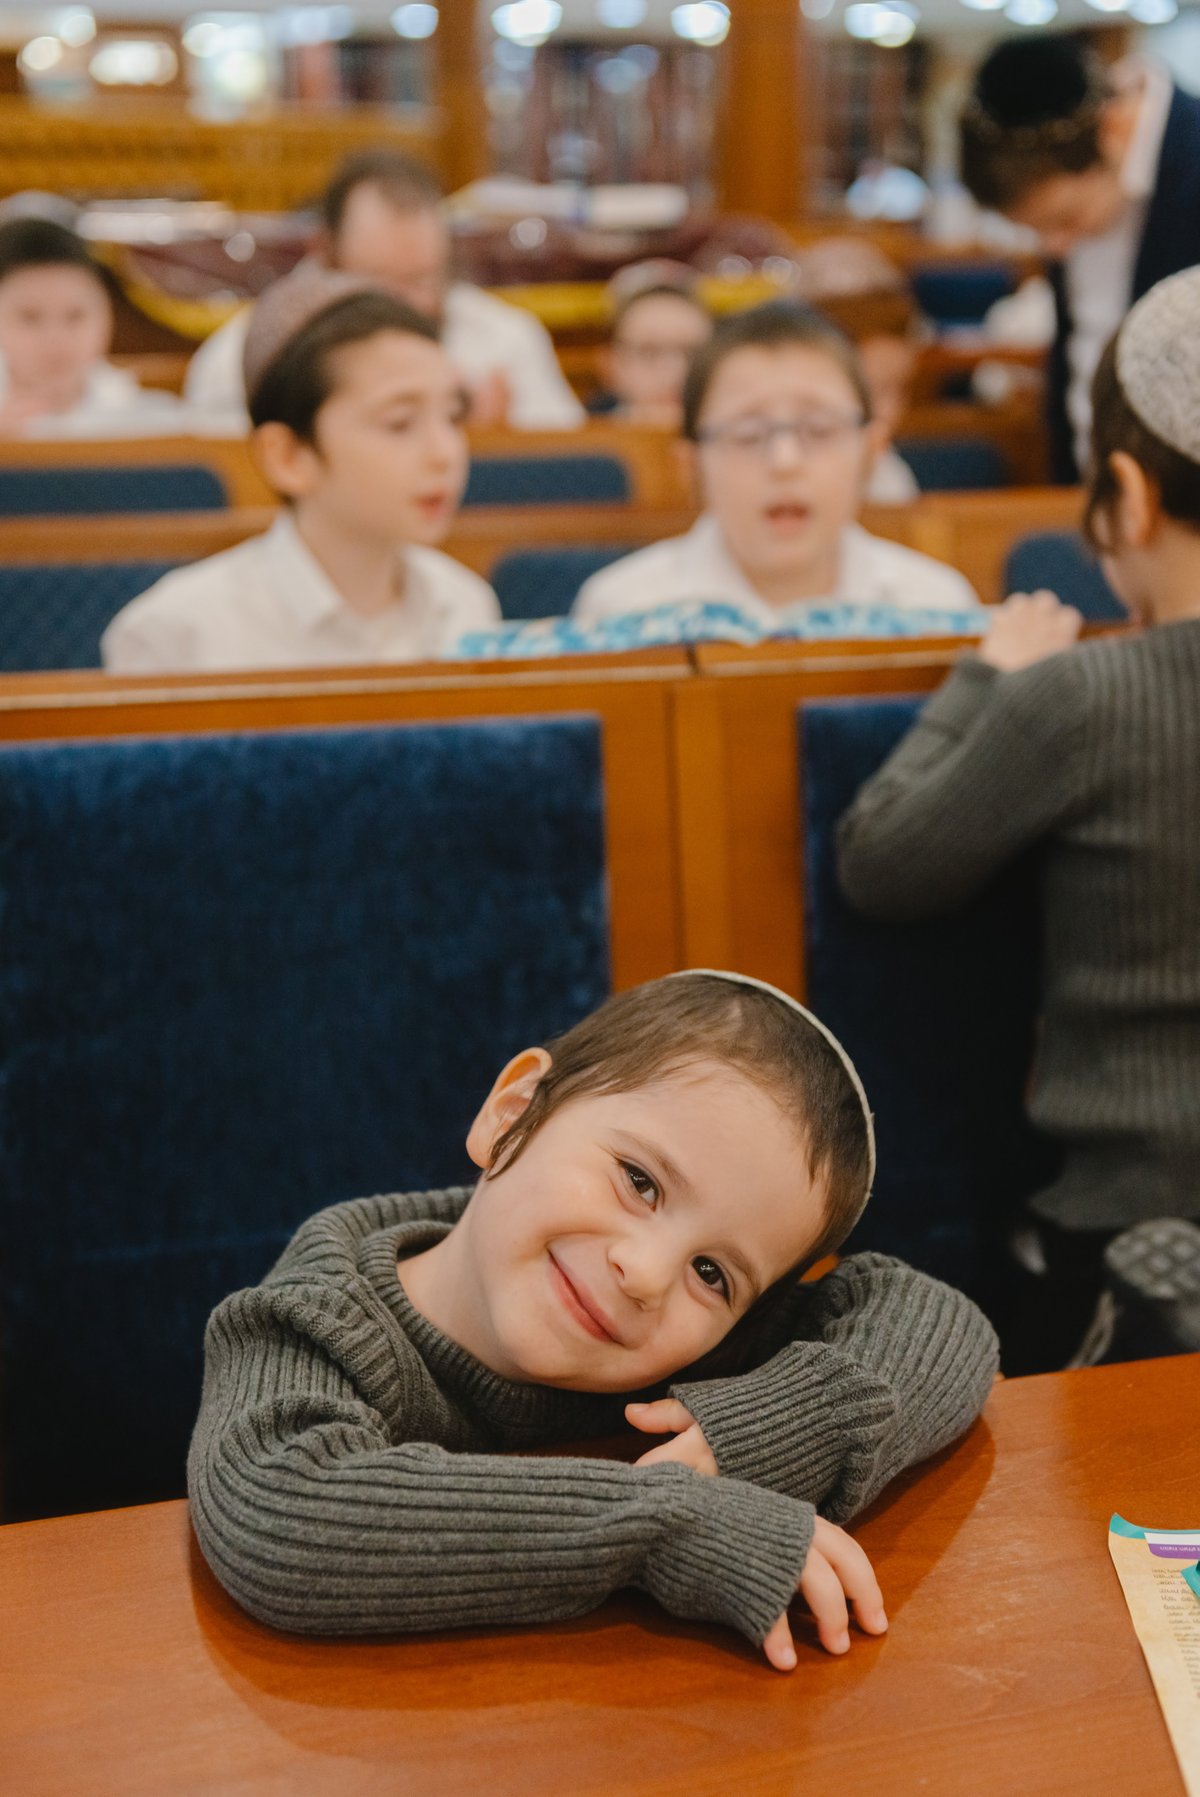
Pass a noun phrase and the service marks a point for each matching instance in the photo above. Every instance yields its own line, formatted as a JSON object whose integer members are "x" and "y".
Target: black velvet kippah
{"x": 1030, "y": 83}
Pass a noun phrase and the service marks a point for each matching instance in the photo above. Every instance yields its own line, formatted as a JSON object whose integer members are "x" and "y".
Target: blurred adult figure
{"x": 1104, "y": 164}
{"x": 381, "y": 217}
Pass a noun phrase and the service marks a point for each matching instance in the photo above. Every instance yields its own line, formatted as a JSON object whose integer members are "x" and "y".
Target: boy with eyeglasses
{"x": 778, "y": 422}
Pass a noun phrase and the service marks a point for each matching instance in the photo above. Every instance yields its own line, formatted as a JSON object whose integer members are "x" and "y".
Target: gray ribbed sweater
{"x": 348, "y": 1472}
{"x": 1095, "y": 753}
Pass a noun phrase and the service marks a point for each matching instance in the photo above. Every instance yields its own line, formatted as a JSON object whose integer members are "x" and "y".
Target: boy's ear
{"x": 288, "y": 464}
{"x": 1115, "y": 127}
{"x": 1138, "y": 504}
{"x": 506, "y": 1101}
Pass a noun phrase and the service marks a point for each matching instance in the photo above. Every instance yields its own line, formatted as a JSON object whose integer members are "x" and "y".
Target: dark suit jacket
{"x": 1170, "y": 242}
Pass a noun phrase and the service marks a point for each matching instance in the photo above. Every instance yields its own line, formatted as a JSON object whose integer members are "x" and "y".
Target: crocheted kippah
{"x": 287, "y": 306}
{"x": 1158, "y": 361}
{"x": 822, "y": 1029}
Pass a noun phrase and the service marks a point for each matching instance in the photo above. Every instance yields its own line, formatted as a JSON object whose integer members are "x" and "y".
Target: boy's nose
{"x": 644, "y": 1272}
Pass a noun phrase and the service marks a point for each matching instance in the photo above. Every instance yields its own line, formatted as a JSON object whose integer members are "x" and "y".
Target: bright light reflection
{"x": 701, "y": 22}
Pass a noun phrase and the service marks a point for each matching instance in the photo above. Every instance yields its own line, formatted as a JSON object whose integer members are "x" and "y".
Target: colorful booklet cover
{"x": 1161, "y": 1581}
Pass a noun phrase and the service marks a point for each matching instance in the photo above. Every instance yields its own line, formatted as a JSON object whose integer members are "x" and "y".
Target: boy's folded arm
{"x": 316, "y": 1522}
{"x": 892, "y": 1365}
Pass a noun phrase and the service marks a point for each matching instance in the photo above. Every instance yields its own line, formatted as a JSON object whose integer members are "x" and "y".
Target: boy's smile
{"x": 630, "y": 1234}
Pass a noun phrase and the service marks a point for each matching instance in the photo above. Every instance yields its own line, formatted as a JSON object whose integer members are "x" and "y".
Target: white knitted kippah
{"x": 1158, "y": 361}
{"x": 822, "y": 1029}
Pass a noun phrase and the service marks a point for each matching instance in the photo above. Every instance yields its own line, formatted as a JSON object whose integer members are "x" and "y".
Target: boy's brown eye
{"x": 711, "y": 1274}
{"x": 640, "y": 1180}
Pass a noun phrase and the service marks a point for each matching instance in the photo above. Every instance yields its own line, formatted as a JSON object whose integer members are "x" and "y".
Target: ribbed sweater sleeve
{"x": 900, "y": 1366}
{"x": 993, "y": 762}
{"x": 317, "y": 1519}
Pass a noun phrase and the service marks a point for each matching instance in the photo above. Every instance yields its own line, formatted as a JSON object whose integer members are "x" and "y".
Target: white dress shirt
{"x": 113, "y": 405}
{"x": 1099, "y": 271}
{"x": 481, "y": 334}
{"x": 891, "y": 481}
{"x": 699, "y": 566}
{"x": 268, "y": 603}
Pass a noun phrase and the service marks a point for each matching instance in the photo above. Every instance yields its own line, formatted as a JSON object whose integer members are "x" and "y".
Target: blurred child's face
{"x": 888, "y": 364}
{"x": 55, "y": 325}
{"x": 635, "y": 1228}
{"x": 407, "y": 252}
{"x": 649, "y": 355}
{"x": 390, "y": 458}
{"x": 783, "y": 499}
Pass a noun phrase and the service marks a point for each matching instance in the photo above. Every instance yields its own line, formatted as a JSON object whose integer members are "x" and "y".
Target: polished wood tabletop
{"x": 1011, "y": 1668}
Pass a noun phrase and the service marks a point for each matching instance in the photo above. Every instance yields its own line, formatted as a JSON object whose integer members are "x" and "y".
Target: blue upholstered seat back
{"x": 939, "y": 1017}
{"x": 242, "y": 978}
{"x": 1059, "y": 559}
{"x": 955, "y": 464}
{"x": 62, "y": 492}
{"x": 542, "y": 583}
{"x": 581, "y": 478}
{"x": 962, "y": 295}
{"x": 53, "y": 614}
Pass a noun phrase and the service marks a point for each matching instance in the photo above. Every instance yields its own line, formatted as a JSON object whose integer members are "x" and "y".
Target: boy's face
{"x": 406, "y": 251}
{"x": 55, "y": 325}
{"x": 1065, "y": 210}
{"x": 390, "y": 458}
{"x": 649, "y": 355}
{"x": 782, "y": 507}
{"x": 636, "y": 1228}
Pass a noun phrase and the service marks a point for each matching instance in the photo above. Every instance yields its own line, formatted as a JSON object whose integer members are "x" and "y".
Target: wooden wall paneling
{"x": 630, "y": 694}
{"x": 462, "y": 115}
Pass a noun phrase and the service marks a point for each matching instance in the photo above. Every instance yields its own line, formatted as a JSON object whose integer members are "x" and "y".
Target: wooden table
{"x": 1011, "y": 1668}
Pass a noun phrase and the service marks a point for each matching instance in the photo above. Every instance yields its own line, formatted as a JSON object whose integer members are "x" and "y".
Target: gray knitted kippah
{"x": 287, "y": 306}
{"x": 1158, "y": 361}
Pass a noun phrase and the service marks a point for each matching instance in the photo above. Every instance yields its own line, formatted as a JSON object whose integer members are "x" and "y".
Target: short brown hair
{"x": 298, "y": 380}
{"x": 402, "y": 180}
{"x": 1034, "y": 113}
{"x": 1116, "y": 426}
{"x": 665, "y": 1025}
{"x": 776, "y": 324}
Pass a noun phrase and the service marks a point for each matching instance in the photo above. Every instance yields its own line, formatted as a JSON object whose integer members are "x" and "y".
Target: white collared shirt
{"x": 482, "y": 335}
{"x": 1099, "y": 272}
{"x": 699, "y": 566}
{"x": 268, "y": 603}
{"x": 113, "y": 405}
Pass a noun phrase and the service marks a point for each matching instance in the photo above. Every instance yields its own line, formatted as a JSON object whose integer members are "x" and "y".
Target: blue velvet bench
{"x": 53, "y": 614}
{"x": 939, "y": 1016}
{"x": 244, "y": 977}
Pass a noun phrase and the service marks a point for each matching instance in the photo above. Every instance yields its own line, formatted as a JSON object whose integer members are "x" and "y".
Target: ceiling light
{"x": 415, "y": 20}
{"x": 77, "y": 27}
{"x": 528, "y": 22}
{"x": 620, "y": 15}
{"x": 1153, "y": 12}
{"x": 984, "y": 5}
{"x": 40, "y": 55}
{"x": 702, "y": 22}
{"x": 133, "y": 62}
{"x": 1031, "y": 12}
{"x": 888, "y": 23}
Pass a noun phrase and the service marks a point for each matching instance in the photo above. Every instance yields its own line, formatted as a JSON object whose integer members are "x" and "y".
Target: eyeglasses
{"x": 756, "y": 436}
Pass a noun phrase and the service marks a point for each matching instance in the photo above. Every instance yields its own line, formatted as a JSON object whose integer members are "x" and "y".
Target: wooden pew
{"x": 657, "y": 471}
{"x": 974, "y": 532}
{"x": 740, "y": 848}
{"x": 229, "y": 458}
{"x": 631, "y": 694}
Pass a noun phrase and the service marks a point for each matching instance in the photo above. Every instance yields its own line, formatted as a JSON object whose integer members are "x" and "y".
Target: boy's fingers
{"x": 664, "y": 1414}
{"x": 822, "y": 1591}
{"x": 779, "y": 1647}
{"x": 669, "y": 1450}
{"x": 857, "y": 1578}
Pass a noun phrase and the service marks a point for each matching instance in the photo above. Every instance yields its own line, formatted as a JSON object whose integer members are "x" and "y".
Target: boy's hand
{"x": 836, "y": 1569}
{"x": 668, "y": 1416}
{"x": 1027, "y": 628}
